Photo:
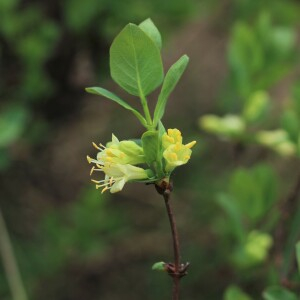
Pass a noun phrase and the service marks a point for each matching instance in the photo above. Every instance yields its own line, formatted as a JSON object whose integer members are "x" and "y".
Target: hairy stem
{"x": 176, "y": 275}
{"x": 10, "y": 265}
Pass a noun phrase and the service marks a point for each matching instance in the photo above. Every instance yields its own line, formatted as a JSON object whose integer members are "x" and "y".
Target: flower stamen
{"x": 92, "y": 170}
{"x": 191, "y": 144}
{"x": 96, "y": 146}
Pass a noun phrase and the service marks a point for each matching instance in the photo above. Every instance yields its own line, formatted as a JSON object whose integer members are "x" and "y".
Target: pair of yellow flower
{"x": 118, "y": 160}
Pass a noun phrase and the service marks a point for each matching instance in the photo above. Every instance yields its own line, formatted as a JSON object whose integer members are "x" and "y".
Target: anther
{"x": 174, "y": 156}
{"x": 105, "y": 189}
{"x": 111, "y": 181}
{"x": 92, "y": 170}
{"x": 96, "y": 146}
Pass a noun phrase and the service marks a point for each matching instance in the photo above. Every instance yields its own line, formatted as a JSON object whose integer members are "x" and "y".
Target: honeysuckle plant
{"x": 136, "y": 66}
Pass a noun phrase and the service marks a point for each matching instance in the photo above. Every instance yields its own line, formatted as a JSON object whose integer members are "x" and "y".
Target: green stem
{"x": 10, "y": 265}
{"x": 146, "y": 110}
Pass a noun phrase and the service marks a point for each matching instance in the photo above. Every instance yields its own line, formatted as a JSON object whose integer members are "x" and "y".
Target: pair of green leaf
{"x": 136, "y": 65}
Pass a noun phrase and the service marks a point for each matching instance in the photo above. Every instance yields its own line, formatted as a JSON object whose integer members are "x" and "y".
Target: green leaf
{"x": 298, "y": 254}
{"x": 233, "y": 212}
{"x": 254, "y": 190}
{"x": 235, "y": 293}
{"x": 170, "y": 81}
{"x": 161, "y": 129}
{"x": 151, "y": 147}
{"x": 109, "y": 95}
{"x": 135, "y": 61}
{"x": 151, "y": 30}
{"x": 292, "y": 236}
{"x": 256, "y": 107}
{"x": 159, "y": 266}
{"x": 290, "y": 123}
{"x": 12, "y": 123}
{"x": 278, "y": 293}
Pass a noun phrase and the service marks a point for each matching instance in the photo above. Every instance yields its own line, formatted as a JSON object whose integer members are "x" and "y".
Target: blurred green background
{"x": 73, "y": 243}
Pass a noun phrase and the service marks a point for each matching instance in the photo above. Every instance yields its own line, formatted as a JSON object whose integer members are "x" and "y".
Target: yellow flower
{"x": 124, "y": 152}
{"x": 172, "y": 137}
{"x": 117, "y": 161}
{"x": 116, "y": 175}
{"x": 175, "y": 153}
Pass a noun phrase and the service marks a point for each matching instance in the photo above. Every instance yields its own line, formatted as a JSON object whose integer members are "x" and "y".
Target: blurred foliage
{"x": 261, "y": 52}
{"x": 80, "y": 226}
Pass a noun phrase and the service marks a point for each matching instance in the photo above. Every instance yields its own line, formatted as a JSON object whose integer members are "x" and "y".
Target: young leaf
{"x": 109, "y": 95}
{"x": 150, "y": 144}
{"x": 171, "y": 79}
{"x": 159, "y": 266}
{"x": 161, "y": 129}
{"x": 135, "y": 61}
{"x": 278, "y": 293}
{"x": 151, "y": 30}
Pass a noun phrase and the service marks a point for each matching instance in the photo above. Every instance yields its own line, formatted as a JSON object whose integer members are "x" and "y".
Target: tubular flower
{"x": 124, "y": 152}
{"x": 116, "y": 161}
{"x": 116, "y": 175}
{"x": 172, "y": 137}
{"x": 175, "y": 153}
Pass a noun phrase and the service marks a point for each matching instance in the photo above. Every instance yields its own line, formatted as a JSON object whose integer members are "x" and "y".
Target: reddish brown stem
{"x": 176, "y": 274}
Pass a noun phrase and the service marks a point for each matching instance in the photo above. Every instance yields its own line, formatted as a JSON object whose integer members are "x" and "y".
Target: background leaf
{"x": 278, "y": 293}
{"x": 171, "y": 79}
{"x": 235, "y": 293}
{"x": 254, "y": 190}
{"x": 298, "y": 254}
{"x": 12, "y": 123}
{"x": 232, "y": 210}
{"x": 135, "y": 61}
